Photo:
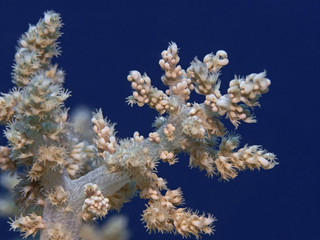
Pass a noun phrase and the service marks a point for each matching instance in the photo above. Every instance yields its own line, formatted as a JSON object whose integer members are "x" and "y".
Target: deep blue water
{"x": 104, "y": 40}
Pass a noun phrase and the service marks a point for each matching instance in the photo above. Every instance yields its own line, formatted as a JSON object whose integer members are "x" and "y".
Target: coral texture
{"x": 70, "y": 175}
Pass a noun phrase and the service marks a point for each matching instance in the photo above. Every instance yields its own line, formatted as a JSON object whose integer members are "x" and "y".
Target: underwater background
{"x": 104, "y": 40}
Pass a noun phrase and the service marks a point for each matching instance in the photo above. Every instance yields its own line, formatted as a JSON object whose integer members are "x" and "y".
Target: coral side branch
{"x": 74, "y": 170}
{"x": 36, "y": 48}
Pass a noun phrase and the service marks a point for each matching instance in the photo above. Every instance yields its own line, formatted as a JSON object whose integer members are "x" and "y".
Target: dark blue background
{"x": 104, "y": 40}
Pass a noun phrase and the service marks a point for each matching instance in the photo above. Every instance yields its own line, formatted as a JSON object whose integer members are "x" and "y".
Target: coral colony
{"x": 69, "y": 176}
